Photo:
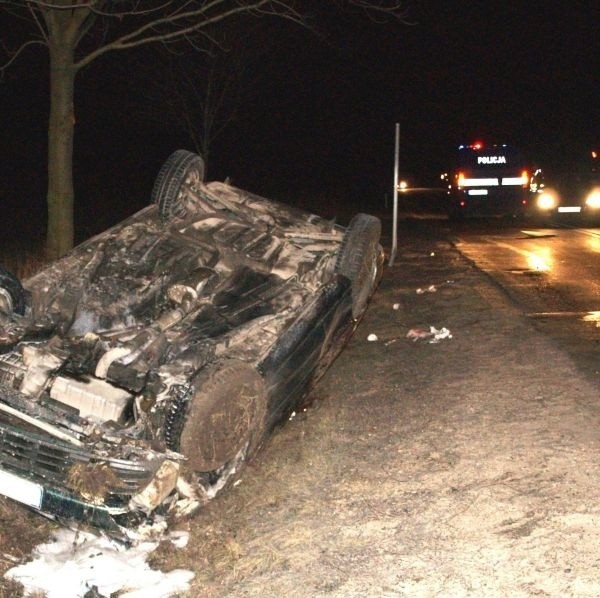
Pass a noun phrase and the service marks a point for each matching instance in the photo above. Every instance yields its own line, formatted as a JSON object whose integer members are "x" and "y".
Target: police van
{"x": 487, "y": 180}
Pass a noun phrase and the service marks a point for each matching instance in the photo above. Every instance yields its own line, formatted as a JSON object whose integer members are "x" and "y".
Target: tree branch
{"x": 33, "y": 42}
{"x": 379, "y": 10}
{"x": 40, "y": 4}
{"x": 36, "y": 19}
{"x": 199, "y": 18}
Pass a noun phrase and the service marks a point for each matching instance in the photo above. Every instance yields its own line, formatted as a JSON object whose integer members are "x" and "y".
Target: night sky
{"x": 318, "y": 124}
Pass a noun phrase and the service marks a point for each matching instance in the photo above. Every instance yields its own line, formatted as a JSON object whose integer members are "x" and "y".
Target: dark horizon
{"x": 321, "y": 122}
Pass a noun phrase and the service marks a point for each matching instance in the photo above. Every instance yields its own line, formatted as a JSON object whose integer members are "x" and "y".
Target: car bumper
{"x": 488, "y": 202}
{"x": 106, "y": 486}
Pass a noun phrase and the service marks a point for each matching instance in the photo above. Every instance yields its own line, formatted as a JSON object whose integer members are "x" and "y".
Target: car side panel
{"x": 316, "y": 336}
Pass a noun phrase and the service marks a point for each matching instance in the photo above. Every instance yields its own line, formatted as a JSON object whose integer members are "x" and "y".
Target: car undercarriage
{"x": 140, "y": 371}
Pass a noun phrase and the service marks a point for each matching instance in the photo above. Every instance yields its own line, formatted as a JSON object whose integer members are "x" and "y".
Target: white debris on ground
{"x": 439, "y": 335}
{"x": 396, "y": 306}
{"x": 76, "y": 562}
{"x": 433, "y": 288}
{"x": 430, "y": 289}
{"x": 372, "y": 338}
{"x": 433, "y": 335}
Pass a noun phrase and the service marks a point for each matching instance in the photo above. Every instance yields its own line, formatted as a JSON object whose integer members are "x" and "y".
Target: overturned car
{"x": 140, "y": 371}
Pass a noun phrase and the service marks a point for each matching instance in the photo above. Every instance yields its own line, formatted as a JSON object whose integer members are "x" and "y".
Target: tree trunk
{"x": 61, "y": 128}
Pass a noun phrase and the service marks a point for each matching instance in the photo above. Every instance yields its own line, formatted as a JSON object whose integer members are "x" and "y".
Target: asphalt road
{"x": 549, "y": 271}
{"x": 552, "y": 274}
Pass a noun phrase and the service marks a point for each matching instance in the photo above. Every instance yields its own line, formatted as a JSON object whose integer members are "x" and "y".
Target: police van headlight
{"x": 593, "y": 199}
{"x": 547, "y": 200}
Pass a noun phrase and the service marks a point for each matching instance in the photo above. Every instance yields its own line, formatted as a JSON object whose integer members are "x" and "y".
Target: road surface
{"x": 552, "y": 274}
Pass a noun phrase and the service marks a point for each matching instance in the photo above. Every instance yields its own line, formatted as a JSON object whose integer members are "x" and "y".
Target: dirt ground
{"x": 463, "y": 468}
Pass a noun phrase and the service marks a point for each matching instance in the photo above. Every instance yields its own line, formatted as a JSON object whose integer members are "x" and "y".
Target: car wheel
{"x": 358, "y": 257}
{"x": 224, "y": 417}
{"x": 182, "y": 168}
{"x": 12, "y": 294}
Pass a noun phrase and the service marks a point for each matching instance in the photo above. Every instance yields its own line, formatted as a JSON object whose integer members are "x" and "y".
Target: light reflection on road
{"x": 594, "y": 244}
{"x": 541, "y": 259}
{"x": 553, "y": 275}
{"x": 593, "y": 316}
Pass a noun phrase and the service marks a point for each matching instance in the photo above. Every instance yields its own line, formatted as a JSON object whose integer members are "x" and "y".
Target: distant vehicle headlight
{"x": 593, "y": 199}
{"x": 547, "y": 200}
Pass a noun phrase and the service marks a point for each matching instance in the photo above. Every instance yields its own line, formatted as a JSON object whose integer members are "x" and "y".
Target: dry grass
{"x": 20, "y": 531}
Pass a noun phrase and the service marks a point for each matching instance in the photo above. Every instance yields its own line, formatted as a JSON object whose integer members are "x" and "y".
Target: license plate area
{"x": 23, "y": 491}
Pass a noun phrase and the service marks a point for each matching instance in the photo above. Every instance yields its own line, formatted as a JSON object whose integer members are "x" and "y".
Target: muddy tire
{"x": 12, "y": 294}
{"x": 358, "y": 258}
{"x": 182, "y": 168}
{"x": 225, "y": 416}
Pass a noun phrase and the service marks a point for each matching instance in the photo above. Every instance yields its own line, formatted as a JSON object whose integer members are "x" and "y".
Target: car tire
{"x": 357, "y": 259}
{"x": 12, "y": 294}
{"x": 181, "y": 168}
{"x": 224, "y": 418}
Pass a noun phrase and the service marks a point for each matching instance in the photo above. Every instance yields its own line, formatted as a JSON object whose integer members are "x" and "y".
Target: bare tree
{"x": 199, "y": 93}
{"x": 78, "y": 32}
{"x": 203, "y": 101}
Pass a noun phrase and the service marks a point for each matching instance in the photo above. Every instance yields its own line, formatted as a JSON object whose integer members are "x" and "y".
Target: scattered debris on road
{"x": 414, "y": 334}
{"x": 430, "y": 289}
{"x": 439, "y": 335}
{"x": 433, "y": 335}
